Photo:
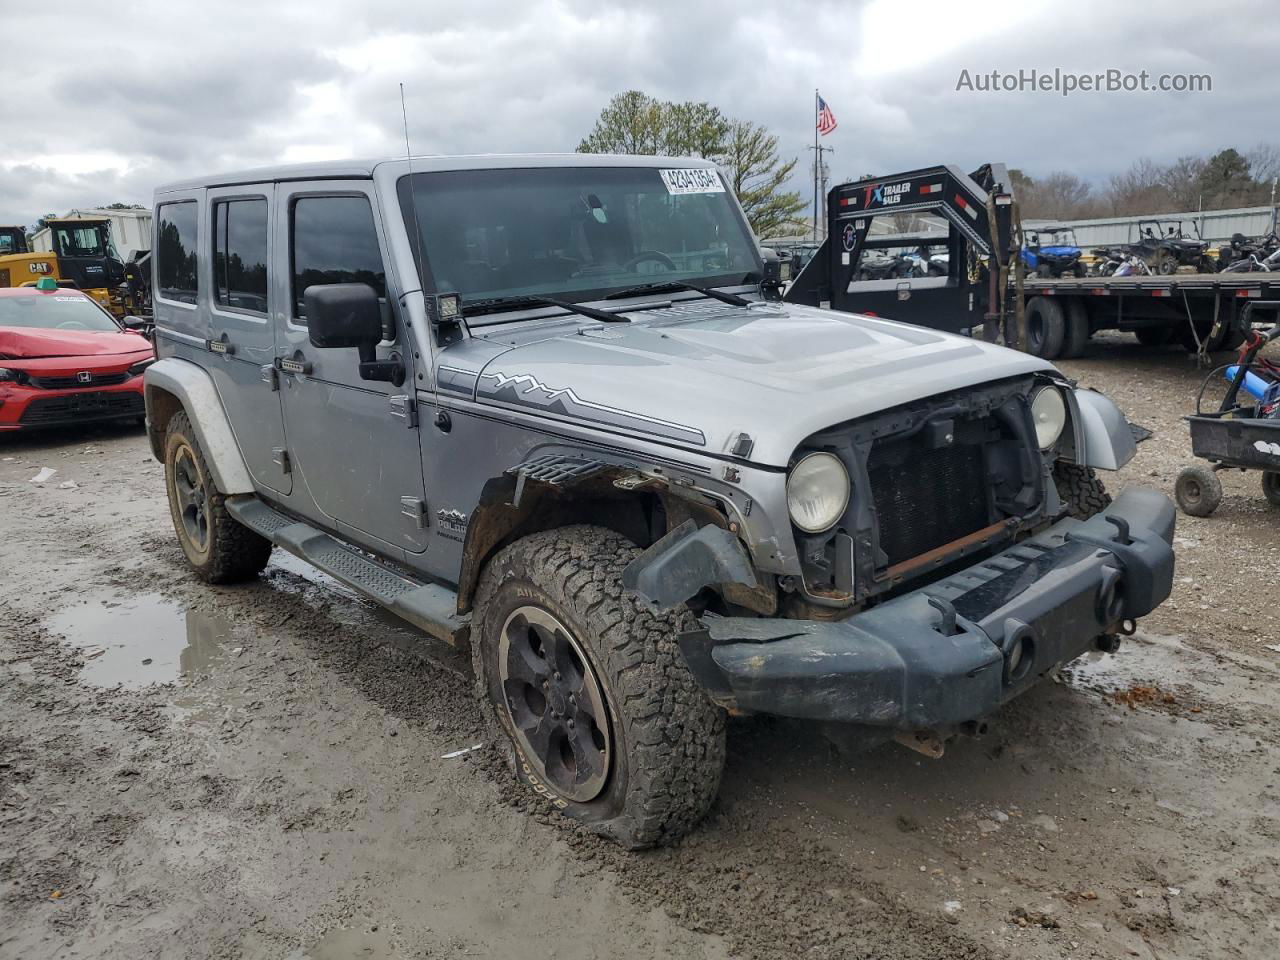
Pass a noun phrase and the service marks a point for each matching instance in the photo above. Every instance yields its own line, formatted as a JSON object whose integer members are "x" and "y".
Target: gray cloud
{"x": 116, "y": 101}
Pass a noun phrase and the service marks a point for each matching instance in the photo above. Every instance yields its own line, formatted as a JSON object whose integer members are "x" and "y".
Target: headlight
{"x": 1049, "y": 411}
{"x": 8, "y": 375}
{"x": 141, "y": 365}
{"x": 817, "y": 492}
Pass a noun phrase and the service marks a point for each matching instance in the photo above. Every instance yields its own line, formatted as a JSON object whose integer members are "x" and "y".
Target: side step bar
{"x": 428, "y": 606}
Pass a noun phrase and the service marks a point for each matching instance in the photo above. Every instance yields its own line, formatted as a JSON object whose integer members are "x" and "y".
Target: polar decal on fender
{"x": 525, "y": 390}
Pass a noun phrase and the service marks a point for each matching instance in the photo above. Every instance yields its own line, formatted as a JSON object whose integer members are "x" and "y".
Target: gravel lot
{"x": 268, "y": 770}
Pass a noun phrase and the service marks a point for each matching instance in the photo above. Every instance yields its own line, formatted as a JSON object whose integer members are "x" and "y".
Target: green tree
{"x": 1225, "y": 180}
{"x": 694, "y": 130}
{"x": 758, "y": 176}
{"x": 123, "y": 206}
{"x": 631, "y": 123}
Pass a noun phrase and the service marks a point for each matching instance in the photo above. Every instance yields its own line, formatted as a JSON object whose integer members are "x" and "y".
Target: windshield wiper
{"x": 668, "y": 285}
{"x": 516, "y": 303}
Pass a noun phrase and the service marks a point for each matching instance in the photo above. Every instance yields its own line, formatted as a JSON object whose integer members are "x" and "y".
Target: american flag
{"x": 826, "y": 119}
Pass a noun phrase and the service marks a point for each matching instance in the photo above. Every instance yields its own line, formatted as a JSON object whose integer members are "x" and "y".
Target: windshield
{"x": 11, "y": 241}
{"x": 54, "y": 311}
{"x": 575, "y": 232}
{"x": 78, "y": 241}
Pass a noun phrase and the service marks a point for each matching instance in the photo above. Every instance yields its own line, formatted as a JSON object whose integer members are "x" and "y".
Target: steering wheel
{"x": 647, "y": 256}
{"x": 71, "y": 325}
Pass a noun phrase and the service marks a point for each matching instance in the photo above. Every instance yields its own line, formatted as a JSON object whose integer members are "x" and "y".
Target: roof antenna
{"x": 441, "y": 418}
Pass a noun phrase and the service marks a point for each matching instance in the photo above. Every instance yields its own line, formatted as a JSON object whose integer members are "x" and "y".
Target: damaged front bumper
{"x": 955, "y": 650}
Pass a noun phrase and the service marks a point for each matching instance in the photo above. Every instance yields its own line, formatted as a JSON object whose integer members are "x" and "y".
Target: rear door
{"x": 241, "y": 332}
{"x": 352, "y": 443}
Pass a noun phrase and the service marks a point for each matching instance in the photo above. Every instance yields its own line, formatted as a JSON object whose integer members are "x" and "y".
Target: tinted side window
{"x": 334, "y": 241}
{"x": 176, "y": 251}
{"x": 240, "y": 254}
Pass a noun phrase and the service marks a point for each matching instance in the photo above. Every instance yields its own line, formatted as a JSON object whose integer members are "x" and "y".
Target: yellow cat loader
{"x": 81, "y": 255}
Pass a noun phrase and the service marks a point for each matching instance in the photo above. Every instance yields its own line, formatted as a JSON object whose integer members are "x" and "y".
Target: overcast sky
{"x": 111, "y": 99}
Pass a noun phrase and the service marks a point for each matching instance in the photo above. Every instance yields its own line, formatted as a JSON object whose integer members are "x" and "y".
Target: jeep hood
{"x": 26, "y": 343}
{"x": 699, "y": 375}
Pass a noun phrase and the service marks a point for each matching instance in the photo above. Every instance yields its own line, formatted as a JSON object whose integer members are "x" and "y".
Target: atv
{"x": 1056, "y": 255}
{"x": 1165, "y": 246}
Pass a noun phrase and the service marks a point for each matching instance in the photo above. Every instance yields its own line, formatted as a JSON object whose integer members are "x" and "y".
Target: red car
{"x": 65, "y": 360}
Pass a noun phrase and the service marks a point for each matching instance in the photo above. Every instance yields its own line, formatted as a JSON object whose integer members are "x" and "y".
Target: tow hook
{"x": 929, "y": 742}
{"x": 933, "y": 743}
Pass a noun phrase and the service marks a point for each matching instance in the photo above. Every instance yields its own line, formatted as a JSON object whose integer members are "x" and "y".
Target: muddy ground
{"x": 269, "y": 771}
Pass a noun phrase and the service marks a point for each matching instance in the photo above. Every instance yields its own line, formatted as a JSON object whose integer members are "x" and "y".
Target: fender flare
{"x": 194, "y": 391}
{"x": 1104, "y": 439}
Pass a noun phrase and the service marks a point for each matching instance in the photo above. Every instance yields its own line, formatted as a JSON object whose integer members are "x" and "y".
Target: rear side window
{"x": 333, "y": 240}
{"x": 176, "y": 251}
{"x": 240, "y": 254}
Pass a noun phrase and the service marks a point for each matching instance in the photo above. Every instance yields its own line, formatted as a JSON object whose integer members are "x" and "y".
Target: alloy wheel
{"x": 555, "y": 703}
{"x": 192, "y": 498}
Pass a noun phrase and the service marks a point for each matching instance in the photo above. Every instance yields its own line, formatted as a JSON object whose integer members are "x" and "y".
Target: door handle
{"x": 299, "y": 365}
{"x": 403, "y": 408}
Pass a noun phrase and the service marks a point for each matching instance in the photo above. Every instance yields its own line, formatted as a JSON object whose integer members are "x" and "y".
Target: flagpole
{"x": 816, "y": 160}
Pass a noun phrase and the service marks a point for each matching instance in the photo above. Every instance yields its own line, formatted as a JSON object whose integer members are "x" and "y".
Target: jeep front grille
{"x": 926, "y": 498}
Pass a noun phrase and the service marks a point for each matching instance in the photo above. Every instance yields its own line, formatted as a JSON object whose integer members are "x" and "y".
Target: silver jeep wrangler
{"x": 553, "y": 407}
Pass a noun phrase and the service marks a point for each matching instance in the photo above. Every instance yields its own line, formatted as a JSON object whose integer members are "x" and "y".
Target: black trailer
{"x": 975, "y": 218}
{"x": 976, "y": 225}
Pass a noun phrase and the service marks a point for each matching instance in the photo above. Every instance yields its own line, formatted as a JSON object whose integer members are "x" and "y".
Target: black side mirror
{"x": 343, "y": 315}
{"x": 349, "y": 315}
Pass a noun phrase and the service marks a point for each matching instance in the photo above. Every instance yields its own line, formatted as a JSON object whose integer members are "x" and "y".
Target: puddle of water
{"x": 140, "y": 640}
{"x": 1169, "y": 664}
{"x": 1159, "y": 661}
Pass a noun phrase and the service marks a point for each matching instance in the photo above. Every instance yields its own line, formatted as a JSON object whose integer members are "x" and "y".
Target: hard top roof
{"x": 363, "y": 169}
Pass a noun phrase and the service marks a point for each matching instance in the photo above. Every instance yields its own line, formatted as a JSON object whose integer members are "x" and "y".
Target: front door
{"x": 352, "y": 443}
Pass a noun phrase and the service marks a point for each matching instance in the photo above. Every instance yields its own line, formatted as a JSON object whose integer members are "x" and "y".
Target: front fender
{"x": 1103, "y": 437}
{"x": 193, "y": 389}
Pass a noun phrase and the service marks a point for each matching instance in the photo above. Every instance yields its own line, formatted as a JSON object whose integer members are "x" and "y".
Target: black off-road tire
{"x": 668, "y": 739}
{"x": 1080, "y": 489}
{"x": 1198, "y": 490}
{"x": 1271, "y": 486}
{"x": 1166, "y": 265}
{"x": 1046, "y": 326}
{"x": 1076, "y": 334}
{"x": 230, "y": 552}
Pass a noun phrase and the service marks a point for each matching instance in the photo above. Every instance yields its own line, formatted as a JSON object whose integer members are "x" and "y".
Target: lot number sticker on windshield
{"x": 692, "y": 181}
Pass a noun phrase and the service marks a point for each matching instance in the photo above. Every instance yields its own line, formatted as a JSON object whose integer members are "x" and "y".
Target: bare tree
{"x": 1181, "y": 182}
{"x": 1138, "y": 190}
{"x": 1264, "y": 162}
